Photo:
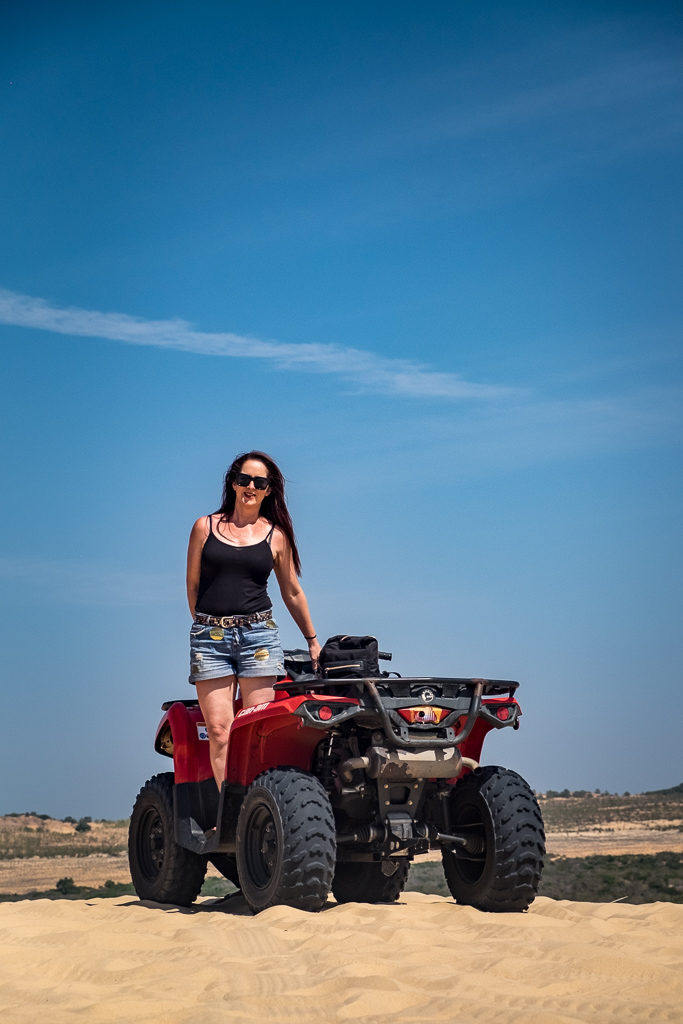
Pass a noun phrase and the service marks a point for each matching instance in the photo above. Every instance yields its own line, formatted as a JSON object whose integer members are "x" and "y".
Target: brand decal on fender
{"x": 250, "y": 711}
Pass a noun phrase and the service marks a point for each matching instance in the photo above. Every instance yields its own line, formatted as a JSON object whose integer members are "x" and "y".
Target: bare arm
{"x": 198, "y": 535}
{"x": 293, "y": 594}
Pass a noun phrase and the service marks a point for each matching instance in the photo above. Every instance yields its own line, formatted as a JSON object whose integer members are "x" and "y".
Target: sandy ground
{"x": 38, "y": 874}
{"x": 422, "y": 960}
{"x": 24, "y": 875}
{"x": 622, "y": 837}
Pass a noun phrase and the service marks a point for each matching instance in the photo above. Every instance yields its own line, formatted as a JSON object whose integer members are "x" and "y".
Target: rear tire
{"x": 161, "y": 870}
{"x": 498, "y": 807}
{"x": 286, "y": 841}
{"x": 365, "y": 882}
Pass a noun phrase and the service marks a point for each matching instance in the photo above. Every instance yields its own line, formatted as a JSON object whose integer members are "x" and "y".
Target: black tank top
{"x": 233, "y": 580}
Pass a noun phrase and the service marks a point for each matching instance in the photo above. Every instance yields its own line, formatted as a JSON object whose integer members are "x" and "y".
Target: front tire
{"x": 286, "y": 841}
{"x": 161, "y": 870}
{"x": 497, "y": 808}
{"x": 365, "y": 882}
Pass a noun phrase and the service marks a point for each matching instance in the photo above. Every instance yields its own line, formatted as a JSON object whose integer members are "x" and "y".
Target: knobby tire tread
{"x": 306, "y": 865}
{"x": 513, "y": 869}
{"x": 181, "y": 875}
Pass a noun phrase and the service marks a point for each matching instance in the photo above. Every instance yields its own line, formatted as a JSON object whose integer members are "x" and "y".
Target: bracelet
{"x": 309, "y": 638}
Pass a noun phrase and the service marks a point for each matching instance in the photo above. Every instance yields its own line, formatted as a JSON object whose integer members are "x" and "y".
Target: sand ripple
{"x": 422, "y": 960}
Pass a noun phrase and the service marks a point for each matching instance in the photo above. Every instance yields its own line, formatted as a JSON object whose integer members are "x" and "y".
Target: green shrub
{"x": 628, "y": 878}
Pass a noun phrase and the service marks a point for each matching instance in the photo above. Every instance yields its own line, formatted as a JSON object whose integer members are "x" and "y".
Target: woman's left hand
{"x": 314, "y": 651}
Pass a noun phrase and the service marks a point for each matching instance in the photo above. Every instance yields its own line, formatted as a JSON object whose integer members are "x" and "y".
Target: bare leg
{"x": 256, "y": 690}
{"x": 215, "y": 700}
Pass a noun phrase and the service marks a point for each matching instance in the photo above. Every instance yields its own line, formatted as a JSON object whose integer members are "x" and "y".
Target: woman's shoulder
{"x": 278, "y": 536}
{"x": 201, "y": 526}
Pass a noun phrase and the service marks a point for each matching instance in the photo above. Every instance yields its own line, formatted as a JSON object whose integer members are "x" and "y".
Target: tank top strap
{"x": 270, "y": 535}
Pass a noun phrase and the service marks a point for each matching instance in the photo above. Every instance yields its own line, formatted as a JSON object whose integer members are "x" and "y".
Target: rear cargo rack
{"x": 311, "y": 684}
{"x": 408, "y": 684}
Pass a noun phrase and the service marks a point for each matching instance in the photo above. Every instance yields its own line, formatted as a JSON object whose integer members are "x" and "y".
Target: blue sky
{"x": 430, "y": 259}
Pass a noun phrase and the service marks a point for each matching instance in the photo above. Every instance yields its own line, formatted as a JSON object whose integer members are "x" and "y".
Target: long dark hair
{"x": 273, "y": 507}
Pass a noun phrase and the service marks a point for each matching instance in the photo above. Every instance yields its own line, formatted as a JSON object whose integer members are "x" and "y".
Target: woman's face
{"x": 252, "y": 473}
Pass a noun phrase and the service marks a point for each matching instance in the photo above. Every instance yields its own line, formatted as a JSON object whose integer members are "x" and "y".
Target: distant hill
{"x": 563, "y": 811}
{"x": 665, "y": 792}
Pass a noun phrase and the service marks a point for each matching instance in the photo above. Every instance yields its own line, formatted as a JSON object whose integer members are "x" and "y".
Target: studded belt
{"x": 228, "y": 621}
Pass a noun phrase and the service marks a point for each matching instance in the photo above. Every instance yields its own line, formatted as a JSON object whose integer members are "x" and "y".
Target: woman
{"x": 234, "y": 638}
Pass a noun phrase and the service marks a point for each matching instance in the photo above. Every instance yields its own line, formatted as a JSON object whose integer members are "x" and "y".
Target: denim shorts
{"x": 249, "y": 651}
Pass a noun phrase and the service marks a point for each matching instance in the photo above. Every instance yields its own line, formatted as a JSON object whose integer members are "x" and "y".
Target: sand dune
{"x": 422, "y": 960}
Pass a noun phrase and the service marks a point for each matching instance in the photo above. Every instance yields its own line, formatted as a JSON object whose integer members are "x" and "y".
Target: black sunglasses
{"x": 243, "y": 480}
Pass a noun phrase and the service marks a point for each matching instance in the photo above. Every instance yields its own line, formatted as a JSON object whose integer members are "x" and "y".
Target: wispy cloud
{"x": 533, "y": 94}
{"x": 507, "y": 437}
{"x": 611, "y": 90}
{"x": 363, "y": 369}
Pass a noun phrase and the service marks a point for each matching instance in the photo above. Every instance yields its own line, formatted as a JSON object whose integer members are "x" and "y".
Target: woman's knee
{"x": 218, "y": 727}
{"x": 216, "y": 701}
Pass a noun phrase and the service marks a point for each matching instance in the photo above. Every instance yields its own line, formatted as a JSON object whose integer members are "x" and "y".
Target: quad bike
{"x": 338, "y": 785}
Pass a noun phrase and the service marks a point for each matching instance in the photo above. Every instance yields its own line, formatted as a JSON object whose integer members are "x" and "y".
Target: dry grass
{"x": 604, "y": 811}
{"x": 32, "y": 835}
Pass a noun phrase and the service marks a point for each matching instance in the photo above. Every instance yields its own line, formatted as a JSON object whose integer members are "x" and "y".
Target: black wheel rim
{"x": 151, "y": 846}
{"x": 469, "y": 819}
{"x": 261, "y": 846}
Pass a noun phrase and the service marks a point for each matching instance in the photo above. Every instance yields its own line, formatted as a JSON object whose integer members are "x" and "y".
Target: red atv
{"x": 337, "y": 785}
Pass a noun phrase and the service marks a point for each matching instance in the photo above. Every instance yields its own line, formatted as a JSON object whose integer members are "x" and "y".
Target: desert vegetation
{"x": 66, "y": 888}
{"x": 38, "y": 835}
{"x": 636, "y": 879}
{"x": 639, "y": 878}
{"x": 630, "y": 878}
{"x": 569, "y": 811}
